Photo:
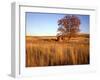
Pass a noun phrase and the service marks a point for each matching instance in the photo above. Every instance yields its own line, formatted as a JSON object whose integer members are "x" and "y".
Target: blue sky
{"x": 45, "y": 24}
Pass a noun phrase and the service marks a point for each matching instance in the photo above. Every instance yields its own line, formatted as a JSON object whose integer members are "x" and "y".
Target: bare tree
{"x": 68, "y": 26}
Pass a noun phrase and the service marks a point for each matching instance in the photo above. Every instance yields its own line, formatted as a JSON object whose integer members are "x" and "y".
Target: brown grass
{"x": 48, "y": 52}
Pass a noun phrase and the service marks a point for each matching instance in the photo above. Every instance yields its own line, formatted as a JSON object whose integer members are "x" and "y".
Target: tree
{"x": 68, "y": 25}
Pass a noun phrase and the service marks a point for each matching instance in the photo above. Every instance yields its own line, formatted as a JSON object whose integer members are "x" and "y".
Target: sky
{"x": 45, "y": 24}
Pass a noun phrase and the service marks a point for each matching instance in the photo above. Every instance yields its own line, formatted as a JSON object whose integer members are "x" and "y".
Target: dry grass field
{"x": 47, "y": 51}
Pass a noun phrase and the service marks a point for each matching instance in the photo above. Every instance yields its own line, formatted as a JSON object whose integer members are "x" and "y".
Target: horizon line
{"x": 53, "y": 35}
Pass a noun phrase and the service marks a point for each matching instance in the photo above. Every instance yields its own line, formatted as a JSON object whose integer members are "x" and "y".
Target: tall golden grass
{"x": 55, "y": 53}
